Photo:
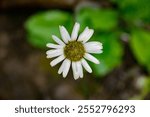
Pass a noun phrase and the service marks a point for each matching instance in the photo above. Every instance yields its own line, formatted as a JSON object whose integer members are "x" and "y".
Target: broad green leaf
{"x": 135, "y": 9}
{"x": 111, "y": 56}
{"x": 41, "y": 26}
{"x": 140, "y": 44}
{"x": 99, "y": 19}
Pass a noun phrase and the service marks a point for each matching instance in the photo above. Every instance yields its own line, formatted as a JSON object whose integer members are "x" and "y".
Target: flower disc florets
{"x": 74, "y": 50}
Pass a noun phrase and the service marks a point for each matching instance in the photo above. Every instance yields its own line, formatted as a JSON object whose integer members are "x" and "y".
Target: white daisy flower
{"x": 73, "y": 51}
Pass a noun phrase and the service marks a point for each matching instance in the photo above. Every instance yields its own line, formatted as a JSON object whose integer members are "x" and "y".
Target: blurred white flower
{"x": 73, "y": 51}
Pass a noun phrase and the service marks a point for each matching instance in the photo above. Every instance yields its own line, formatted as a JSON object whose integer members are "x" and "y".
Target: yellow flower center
{"x": 74, "y": 50}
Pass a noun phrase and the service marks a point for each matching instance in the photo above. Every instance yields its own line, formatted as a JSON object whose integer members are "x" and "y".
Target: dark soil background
{"x": 23, "y": 77}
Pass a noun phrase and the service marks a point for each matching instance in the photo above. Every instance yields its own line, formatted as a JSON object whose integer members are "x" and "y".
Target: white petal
{"x": 51, "y": 45}
{"x": 89, "y": 35}
{"x": 57, "y": 60}
{"x": 94, "y": 51}
{"x": 86, "y": 35}
{"x": 61, "y": 68}
{"x": 54, "y": 53}
{"x": 57, "y": 40}
{"x": 94, "y": 43}
{"x": 93, "y": 47}
{"x": 66, "y": 67}
{"x": 91, "y": 58}
{"x": 64, "y": 34}
{"x": 83, "y": 34}
{"x": 75, "y": 31}
{"x": 75, "y": 72}
{"x": 86, "y": 66}
{"x": 79, "y": 69}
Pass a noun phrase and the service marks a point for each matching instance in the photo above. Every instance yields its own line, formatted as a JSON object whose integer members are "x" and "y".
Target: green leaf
{"x": 41, "y": 26}
{"x": 135, "y": 9}
{"x": 140, "y": 44}
{"x": 99, "y": 19}
{"x": 111, "y": 56}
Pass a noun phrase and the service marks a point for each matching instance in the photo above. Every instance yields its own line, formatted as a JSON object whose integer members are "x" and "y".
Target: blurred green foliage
{"x": 42, "y": 26}
{"x": 105, "y": 22}
{"x": 133, "y": 10}
{"x": 140, "y": 44}
{"x": 99, "y": 19}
